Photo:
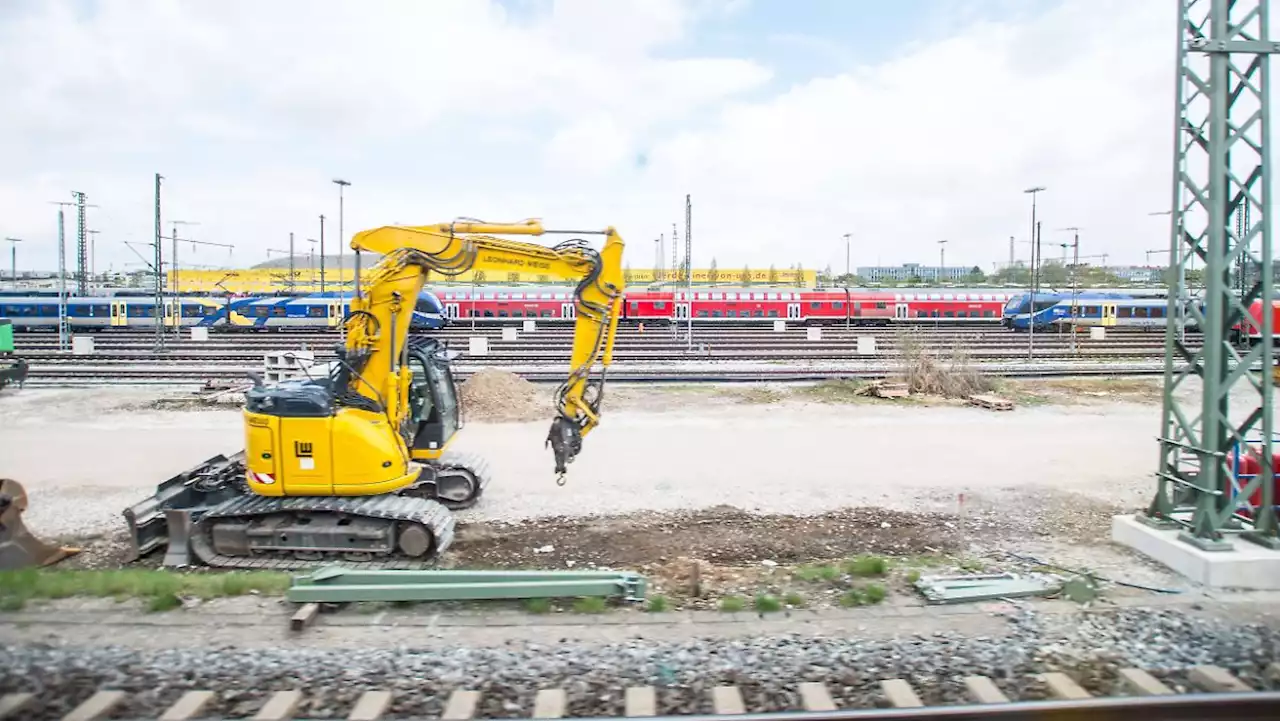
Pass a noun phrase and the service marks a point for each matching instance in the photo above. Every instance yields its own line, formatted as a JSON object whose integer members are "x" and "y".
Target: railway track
{"x": 70, "y": 376}
{"x": 1214, "y": 693}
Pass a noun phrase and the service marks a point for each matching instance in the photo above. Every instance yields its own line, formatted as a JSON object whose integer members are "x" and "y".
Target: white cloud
{"x": 453, "y": 108}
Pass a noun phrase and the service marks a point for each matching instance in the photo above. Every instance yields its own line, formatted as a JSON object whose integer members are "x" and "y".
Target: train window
{"x": 702, "y": 314}
{"x": 635, "y": 307}
{"x": 815, "y": 306}
{"x": 773, "y": 314}
{"x": 502, "y": 314}
{"x": 988, "y": 314}
{"x": 1139, "y": 312}
{"x": 517, "y": 314}
{"x": 488, "y": 314}
{"x": 758, "y": 314}
{"x": 717, "y": 296}
{"x": 731, "y": 296}
{"x": 546, "y": 314}
{"x": 922, "y": 314}
{"x": 961, "y": 314}
{"x": 880, "y": 306}
{"x": 715, "y": 314}
{"x": 949, "y": 314}
{"x": 934, "y": 314}
{"x": 837, "y": 304}
{"x": 1091, "y": 311}
{"x": 1124, "y": 312}
{"x": 744, "y": 314}
{"x": 279, "y": 311}
{"x": 48, "y": 310}
{"x": 315, "y": 311}
{"x": 1157, "y": 312}
{"x": 659, "y": 304}
{"x": 100, "y": 309}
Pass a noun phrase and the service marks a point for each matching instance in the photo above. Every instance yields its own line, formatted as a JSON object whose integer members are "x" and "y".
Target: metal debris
{"x": 971, "y": 588}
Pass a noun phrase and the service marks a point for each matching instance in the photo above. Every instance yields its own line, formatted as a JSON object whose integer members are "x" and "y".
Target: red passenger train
{"x": 733, "y": 305}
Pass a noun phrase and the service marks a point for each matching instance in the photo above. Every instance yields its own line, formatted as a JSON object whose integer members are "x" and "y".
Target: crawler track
{"x": 1056, "y": 696}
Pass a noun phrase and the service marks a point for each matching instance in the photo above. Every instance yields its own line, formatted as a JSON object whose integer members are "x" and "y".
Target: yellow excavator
{"x": 356, "y": 467}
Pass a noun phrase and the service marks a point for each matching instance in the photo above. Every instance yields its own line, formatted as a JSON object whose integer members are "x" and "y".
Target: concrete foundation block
{"x": 1246, "y": 566}
{"x": 478, "y": 346}
{"x": 529, "y": 326}
{"x": 508, "y": 333}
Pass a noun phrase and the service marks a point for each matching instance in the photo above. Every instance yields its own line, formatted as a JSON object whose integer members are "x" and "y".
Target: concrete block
{"x": 1097, "y": 333}
{"x": 813, "y": 333}
{"x": 82, "y": 345}
{"x": 866, "y": 345}
{"x": 508, "y": 333}
{"x": 1246, "y": 566}
{"x": 779, "y": 326}
{"x": 529, "y": 326}
{"x": 478, "y": 346}
{"x": 199, "y": 333}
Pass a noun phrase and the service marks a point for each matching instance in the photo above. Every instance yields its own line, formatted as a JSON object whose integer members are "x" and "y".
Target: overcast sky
{"x": 791, "y": 122}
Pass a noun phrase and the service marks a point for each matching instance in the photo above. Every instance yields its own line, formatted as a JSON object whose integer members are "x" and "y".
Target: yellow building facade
{"x": 307, "y": 280}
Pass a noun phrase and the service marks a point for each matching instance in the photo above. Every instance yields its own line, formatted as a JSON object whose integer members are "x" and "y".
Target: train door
{"x": 567, "y": 310}
{"x": 172, "y": 314}
{"x": 682, "y": 311}
{"x": 1108, "y": 314}
{"x": 334, "y": 310}
{"x": 900, "y": 311}
{"x": 857, "y": 309}
{"x": 793, "y": 311}
{"x": 451, "y": 310}
{"x": 119, "y": 313}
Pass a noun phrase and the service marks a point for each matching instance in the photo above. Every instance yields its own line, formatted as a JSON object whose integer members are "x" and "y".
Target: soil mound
{"x": 497, "y": 395}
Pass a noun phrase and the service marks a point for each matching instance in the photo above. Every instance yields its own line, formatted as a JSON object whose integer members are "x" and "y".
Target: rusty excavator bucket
{"x": 18, "y": 548}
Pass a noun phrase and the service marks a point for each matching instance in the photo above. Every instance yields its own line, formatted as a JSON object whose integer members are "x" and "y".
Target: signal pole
{"x": 64, "y": 330}
{"x": 1035, "y": 248}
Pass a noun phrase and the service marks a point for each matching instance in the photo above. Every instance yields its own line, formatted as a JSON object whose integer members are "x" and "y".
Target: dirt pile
{"x": 496, "y": 395}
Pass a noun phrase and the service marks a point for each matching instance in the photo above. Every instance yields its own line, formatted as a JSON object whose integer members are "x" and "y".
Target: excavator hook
{"x": 565, "y": 439}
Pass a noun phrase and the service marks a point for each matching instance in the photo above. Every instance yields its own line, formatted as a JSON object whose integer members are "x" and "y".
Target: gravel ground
{"x": 83, "y": 460}
{"x": 1090, "y": 647}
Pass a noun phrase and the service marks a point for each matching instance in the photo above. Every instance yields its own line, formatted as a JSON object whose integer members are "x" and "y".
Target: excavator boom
{"x": 411, "y": 253}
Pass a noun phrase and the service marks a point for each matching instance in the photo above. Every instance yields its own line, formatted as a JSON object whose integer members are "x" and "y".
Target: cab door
{"x": 1108, "y": 314}
{"x": 119, "y": 313}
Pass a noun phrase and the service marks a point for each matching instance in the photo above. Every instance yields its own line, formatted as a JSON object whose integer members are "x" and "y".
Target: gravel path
{"x": 1090, "y": 647}
{"x": 83, "y": 461}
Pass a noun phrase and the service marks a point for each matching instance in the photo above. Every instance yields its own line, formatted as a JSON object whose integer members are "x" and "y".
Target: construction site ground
{"x": 711, "y": 491}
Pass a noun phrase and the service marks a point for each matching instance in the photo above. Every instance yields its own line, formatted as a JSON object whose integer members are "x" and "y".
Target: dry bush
{"x": 927, "y": 372}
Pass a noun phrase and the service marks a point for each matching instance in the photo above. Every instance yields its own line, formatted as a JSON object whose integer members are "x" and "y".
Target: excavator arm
{"x": 378, "y": 324}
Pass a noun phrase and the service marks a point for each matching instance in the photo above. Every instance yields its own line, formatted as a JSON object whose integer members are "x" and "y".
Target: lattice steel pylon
{"x": 1220, "y": 166}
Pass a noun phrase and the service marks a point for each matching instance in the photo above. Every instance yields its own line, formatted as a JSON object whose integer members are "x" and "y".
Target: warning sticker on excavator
{"x": 263, "y": 478}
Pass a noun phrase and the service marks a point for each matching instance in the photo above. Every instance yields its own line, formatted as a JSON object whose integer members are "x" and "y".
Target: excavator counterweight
{"x": 356, "y": 468}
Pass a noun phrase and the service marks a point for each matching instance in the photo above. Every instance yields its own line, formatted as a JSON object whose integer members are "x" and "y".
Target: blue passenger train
{"x": 1087, "y": 309}
{"x": 240, "y": 313}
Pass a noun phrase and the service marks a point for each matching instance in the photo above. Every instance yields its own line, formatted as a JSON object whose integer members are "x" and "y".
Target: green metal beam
{"x": 339, "y": 585}
{"x": 1221, "y": 175}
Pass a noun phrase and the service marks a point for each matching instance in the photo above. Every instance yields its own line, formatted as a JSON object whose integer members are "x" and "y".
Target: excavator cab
{"x": 433, "y": 398}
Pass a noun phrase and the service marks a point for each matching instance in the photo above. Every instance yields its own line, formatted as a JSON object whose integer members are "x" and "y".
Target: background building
{"x": 914, "y": 272}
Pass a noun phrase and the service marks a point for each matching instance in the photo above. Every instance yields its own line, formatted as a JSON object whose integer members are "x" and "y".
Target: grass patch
{"x": 863, "y": 566}
{"x": 757, "y": 395}
{"x": 852, "y": 597}
{"x": 874, "y": 593}
{"x": 732, "y": 604}
{"x": 657, "y": 604}
{"x": 161, "y": 589}
{"x": 537, "y": 605}
{"x": 811, "y": 573}
{"x": 764, "y": 603}
{"x": 840, "y": 390}
{"x": 913, "y": 575}
{"x": 591, "y": 604}
{"x": 794, "y": 600}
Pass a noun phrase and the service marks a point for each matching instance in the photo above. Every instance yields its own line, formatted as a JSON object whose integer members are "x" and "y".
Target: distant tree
{"x": 976, "y": 275}
{"x": 1054, "y": 273}
{"x": 824, "y": 276}
{"x": 773, "y": 275}
{"x": 914, "y": 280}
{"x": 745, "y": 277}
{"x": 713, "y": 274}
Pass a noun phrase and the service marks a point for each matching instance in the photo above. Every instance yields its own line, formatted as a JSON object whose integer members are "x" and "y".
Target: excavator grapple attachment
{"x": 18, "y": 547}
